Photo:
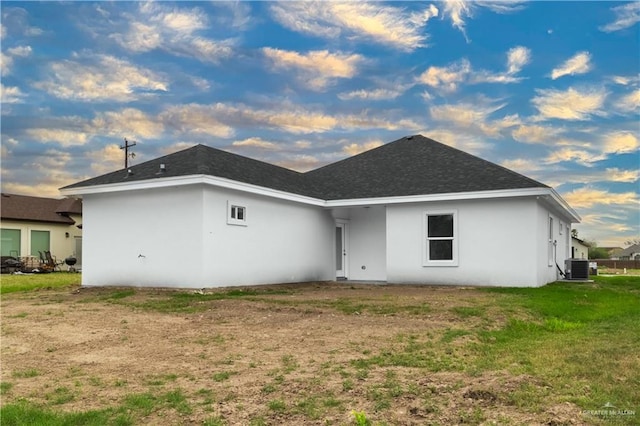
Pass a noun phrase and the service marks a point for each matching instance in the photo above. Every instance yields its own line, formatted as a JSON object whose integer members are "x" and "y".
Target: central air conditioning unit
{"x": 576, "y": 269}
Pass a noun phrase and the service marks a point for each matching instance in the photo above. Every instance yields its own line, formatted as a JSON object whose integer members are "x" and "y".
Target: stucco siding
{"x": 60, "y": 245}
{"x": 281, "y": 242}
{"x": 496, "y": 246}
{"x": 143, "y": 238}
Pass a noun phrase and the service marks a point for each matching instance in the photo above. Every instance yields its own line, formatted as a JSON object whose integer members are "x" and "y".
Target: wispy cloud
{"x": 100, "y": 78}
{"x": 627, "y": 15}
{"x": 384, "y": 24}
{"x": 9, "y": 58}
{"x": 476, "y": 115}
{"x": 446, "y": 78}
{"x": 461, "y": 10}
{"x": 11, "y": 94}
{"x": 621, "y": 143}
{"x": 570, "y": 104}
{"x": 449, "y": 78}
{"x": 630, "y": 102}
{"x": 354, "y": 148}
{"x": 580, "y": 63}
{"x": 536, "y": 134}
{"x": 196, "y": 119}
{"x": 587, "y": 197}
{"x": 175, "y": 31}
{"x": 372, "y": 95}
{"x": 129, "y": 122}
{"x": 255, "y": 142}
{"x": 579, "y": 156}
{"x": 317, "y": 69}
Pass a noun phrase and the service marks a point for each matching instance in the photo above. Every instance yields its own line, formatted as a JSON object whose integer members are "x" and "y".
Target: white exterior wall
{"x": 185, "y": 241}
{"x": 283, "y": 241}
{"x": 60, "y": 245}
{"x": 580, "y": 251}
{"x": 143, "y": 238}
{"x": 497, "y": 246}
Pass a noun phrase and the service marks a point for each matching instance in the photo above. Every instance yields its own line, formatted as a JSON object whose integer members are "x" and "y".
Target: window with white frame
{"x": 236, "y": 214}
{"x": 441, "y": 242}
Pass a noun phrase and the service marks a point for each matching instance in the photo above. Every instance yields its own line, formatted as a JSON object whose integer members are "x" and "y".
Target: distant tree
{"x": 598, "y": 253}
{"x": 574, "y": 233}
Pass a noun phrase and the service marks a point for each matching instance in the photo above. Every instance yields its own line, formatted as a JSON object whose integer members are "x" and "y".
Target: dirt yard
{"x": 304, "y": 354}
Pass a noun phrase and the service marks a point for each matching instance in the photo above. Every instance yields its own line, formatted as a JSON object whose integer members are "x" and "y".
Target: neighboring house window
{"x": 441, "y": 245}
{"x": 10, "y": 242}
{"x": 236, "y": 214}
{"x": 39, "y": 242}
{"x": 550, "y": 241}
{"x": 560, "y": 226}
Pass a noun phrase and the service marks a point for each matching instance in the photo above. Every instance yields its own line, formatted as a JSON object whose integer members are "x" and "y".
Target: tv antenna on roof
{"x": 128, "y": 154}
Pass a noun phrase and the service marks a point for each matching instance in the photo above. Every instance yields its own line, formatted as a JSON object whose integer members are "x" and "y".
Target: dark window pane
{"x": 233, "y": 212}
{"x": 440, "y": 250}
{"x": 441, "y": 225}
{"x": 240, "y": 213}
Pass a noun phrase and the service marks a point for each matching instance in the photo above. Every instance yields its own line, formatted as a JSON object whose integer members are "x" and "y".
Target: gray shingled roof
{"x": 414, "y": 165}
{"x": 37, "y": 209}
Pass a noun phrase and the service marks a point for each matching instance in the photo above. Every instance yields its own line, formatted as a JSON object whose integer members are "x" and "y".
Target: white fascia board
{"x": 191, "y": 180}
{"x": 450, "y": 196}
{"x": 575, "y": 217}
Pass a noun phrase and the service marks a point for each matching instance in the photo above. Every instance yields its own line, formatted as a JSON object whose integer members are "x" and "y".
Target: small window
{"x": 236, "y": 214}
{"x": 441, "y": 248}
{"x": 560, "y": 227}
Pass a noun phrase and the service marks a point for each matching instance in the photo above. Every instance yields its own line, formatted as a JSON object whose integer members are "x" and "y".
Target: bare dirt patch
{"x": 294, "y": 354}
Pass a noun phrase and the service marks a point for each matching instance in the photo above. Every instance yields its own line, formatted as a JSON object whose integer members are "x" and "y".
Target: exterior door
{"x": 341, "y": 250}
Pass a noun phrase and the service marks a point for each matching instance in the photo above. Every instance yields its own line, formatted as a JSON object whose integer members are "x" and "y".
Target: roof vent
{"x": 409, "y": 138}
{"x": 129, "y": 172}
{"x": 163, "y": 169}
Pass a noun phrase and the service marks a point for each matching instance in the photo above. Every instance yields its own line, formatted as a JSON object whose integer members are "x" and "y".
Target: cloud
{"x": 459, "y": 10}
{"x": 621, "y": 143}
{"x": 12, "y": 53}
{"x": 300, "y": 163}
{"x": 107, "y": 159}
{"x": 383, "y": 24}
{"x": 587, "y": 197}
{"x": 630, "y": 102}
{"x": 100, "y": 78}
{"x": 372, "y": 95}
{"x": 535, "y": 134}
{"x": 317, "y": 68}
{"x": 579, "y": 156}
{"x": 447, "y": 78}
{"x": 256, "y": 142}
{"x": 627, "y": 15}
{"x": 47, "y": 171}
{"x": 129, "y": 122}
{"x": 196, "y": 118}
{"x": 570, "y": 104}
{"x": 614, "y": 174}
{"x": 354, "y": 148}
{"x": 517, "y": 58}
{"x": 625, "y": 80}
{"x": 62, "y": 136}
{"x": 175, "y": 147}
{"x": 174, "y": 31}
{"x": 474, "y": 116}
{"x": 10, "y": 94}
{"x": 521, "y": 165}
{"x": 577, "y": 64}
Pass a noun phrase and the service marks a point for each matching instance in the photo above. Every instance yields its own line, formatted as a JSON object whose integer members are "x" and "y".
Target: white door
{"x": 341, "y": 250}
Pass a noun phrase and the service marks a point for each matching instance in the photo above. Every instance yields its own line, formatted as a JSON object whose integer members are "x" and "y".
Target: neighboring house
{"x": 630, "y": 253}
{"x": 410, "y": 211}
{"x": 579, "y": 249}
{"x": 33, "y": 224}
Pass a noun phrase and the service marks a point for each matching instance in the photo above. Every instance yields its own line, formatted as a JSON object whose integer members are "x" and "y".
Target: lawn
{"x": 320, "y": 353}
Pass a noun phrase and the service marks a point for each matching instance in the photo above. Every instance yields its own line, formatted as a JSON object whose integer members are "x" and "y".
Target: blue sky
{"x": 548, "y": 89}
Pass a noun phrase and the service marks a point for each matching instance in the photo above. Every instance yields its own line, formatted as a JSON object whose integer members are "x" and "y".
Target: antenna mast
{"x": 126, "y": 147}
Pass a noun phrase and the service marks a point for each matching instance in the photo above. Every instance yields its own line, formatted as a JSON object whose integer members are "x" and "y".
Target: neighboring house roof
{"x": 37, "y": 209}
{"x": 414, "y": 165}
{"x": 584, "y": 243}
{"x": 629, "y": 251}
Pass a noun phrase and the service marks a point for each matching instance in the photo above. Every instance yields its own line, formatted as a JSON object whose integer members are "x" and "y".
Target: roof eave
{"x": 546, "y": 192}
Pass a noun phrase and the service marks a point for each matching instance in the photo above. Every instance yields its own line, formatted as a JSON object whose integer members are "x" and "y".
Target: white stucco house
{"x": 410, "y": 211}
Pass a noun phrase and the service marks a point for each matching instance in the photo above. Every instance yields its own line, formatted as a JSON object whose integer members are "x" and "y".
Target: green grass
{"x": 24, "y": 283}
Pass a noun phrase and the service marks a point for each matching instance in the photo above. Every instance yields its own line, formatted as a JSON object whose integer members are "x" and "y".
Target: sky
{"x": 548, "y": 89}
